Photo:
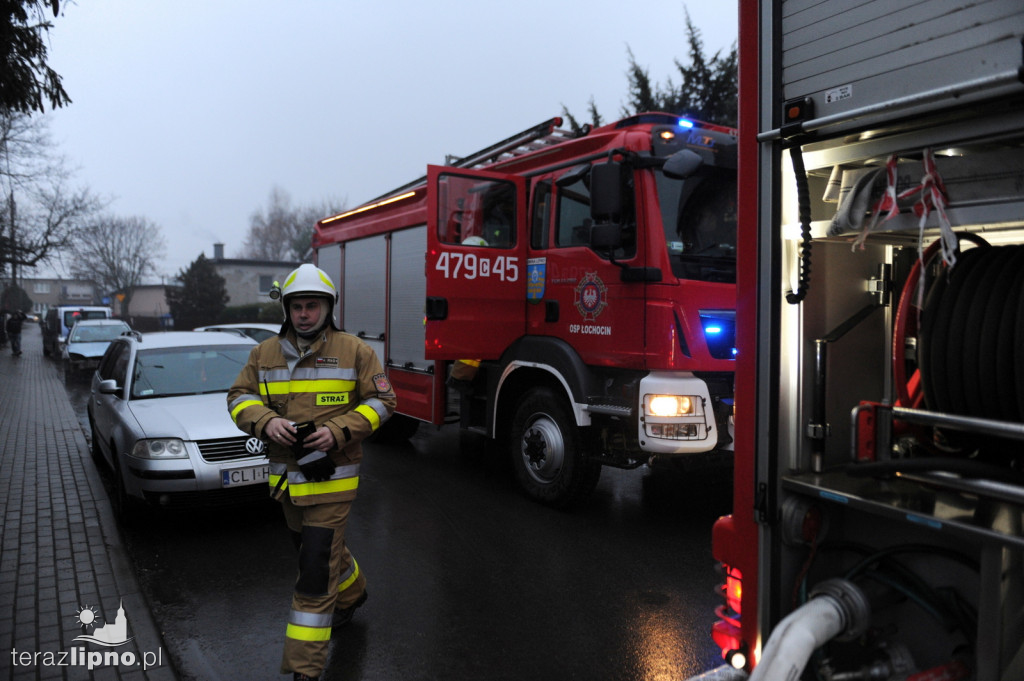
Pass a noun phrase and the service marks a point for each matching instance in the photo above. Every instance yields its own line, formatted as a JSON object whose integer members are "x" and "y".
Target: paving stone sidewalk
{"x": 62, "y": 563}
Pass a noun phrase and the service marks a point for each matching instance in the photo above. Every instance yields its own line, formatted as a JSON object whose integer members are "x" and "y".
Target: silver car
{"x": 159, "y": 419}
{"x": 88, "y": 340}
{"x": 258, "y": 330}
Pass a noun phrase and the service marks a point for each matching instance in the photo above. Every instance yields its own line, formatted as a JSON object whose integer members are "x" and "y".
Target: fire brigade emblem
{"x": 380, "y": 381}
{"x": 536, "y": 270}
{"x": 591, "y": 296}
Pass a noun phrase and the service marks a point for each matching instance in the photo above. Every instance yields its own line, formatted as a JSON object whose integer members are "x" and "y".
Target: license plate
{"x": 237, "y": 477}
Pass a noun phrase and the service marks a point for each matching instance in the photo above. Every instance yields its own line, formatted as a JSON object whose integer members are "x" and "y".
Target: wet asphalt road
{"x": 467, "y": 579}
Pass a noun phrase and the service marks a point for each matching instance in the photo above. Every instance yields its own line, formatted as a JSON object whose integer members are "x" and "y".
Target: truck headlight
{"x": 667, "y": 406}
{"x": 162, "y": 448}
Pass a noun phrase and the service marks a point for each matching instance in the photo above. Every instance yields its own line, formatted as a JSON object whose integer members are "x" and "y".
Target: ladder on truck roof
{"x": 537, "y": 137}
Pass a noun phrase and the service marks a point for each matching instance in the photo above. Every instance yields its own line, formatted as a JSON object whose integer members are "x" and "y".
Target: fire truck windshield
{"x": 699, "y": 218}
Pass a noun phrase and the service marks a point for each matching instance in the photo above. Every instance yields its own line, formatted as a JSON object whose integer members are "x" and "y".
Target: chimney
{"x": 218, "y": 251}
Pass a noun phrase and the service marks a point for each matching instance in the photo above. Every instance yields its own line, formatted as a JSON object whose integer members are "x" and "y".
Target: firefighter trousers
{"x": 329, "y": 579}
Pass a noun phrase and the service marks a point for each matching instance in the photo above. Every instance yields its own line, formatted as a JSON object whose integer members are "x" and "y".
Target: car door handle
{"x": 437, "y": 308}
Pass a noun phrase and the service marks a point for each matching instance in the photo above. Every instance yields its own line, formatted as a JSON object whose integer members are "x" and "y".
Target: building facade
{"x": 51, "y": 292}
{"x": 249, "y": 281}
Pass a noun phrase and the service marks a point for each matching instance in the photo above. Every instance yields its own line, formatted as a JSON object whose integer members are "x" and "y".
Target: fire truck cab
{"x": 588, "y": 280}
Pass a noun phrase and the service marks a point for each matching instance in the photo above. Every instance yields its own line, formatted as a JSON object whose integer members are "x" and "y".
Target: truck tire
{"x": 546, "y": 451}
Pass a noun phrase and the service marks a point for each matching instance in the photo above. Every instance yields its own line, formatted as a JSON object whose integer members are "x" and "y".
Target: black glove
{"x": 316, "y": 466}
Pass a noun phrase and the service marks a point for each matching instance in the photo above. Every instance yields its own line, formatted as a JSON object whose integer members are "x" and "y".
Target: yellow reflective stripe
{"x": 471, "y": 362}
{"x": 352, "y": 578}
{"x": 274, "y": 479}
{"x": 323, "y": 386}
{"x": 305, "y": 489}
{"x": 301, "y": 633}
{"x": 276, "y": 388}
{"x": 370, "y": 414}
{"x": 244, "y": 405}
{"x": 326, "y": 385}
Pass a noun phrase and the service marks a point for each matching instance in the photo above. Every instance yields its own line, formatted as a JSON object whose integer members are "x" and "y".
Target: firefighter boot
{"x": 344, "y": 616}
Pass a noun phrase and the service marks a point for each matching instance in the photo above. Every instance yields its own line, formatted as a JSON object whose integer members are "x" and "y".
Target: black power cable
{"x": 803, "y": 201}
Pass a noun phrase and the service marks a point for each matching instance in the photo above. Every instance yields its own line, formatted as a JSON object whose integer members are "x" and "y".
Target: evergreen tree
{"x": 201, "y": 297}
{"x": 707, "y": 91}
{"x": 26, "y": 80}
{"x": 15, "y": 298}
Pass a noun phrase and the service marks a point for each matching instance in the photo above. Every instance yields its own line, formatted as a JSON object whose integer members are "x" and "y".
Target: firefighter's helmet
{"x": 309, "y": 280}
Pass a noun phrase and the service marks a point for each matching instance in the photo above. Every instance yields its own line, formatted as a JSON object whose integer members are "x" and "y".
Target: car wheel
{"x": 126, "y": 508}
{"x": 95, "y": 449}
{"x": 546, "y": 451}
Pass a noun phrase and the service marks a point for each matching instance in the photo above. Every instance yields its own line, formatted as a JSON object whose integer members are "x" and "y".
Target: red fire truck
{"x": 587, "y": 279}
{"x": 878, "y": 516}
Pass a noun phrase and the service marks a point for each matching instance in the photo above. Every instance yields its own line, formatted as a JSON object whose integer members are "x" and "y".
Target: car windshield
{"x": 699, "y": 218}
{"x": 260, "y": 334}
{"x": 97, "y": 334}
{"x": 72, "y": 316}
{"x": 166, "y": 372}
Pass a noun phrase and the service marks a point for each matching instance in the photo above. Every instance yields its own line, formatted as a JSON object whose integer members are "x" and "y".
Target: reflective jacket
{"x": 338, "y": 382}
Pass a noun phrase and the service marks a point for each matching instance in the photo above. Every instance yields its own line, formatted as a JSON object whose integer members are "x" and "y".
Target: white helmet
{"x": 309, "y": 280}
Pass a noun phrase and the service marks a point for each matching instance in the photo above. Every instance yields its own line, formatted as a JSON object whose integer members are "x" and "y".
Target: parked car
{"x": 158, "y": 416}
{"x": 88, "y": 340}
{"x": 257, "y": 330}
{"x": 60, "y": 319}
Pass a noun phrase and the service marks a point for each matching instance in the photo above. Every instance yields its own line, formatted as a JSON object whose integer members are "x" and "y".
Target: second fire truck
{"x": 878, "y": 519}
{"x": 582, "y": 284}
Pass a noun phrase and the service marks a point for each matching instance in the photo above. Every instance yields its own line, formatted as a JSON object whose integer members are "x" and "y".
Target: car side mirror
{"x": 108, "y": 387}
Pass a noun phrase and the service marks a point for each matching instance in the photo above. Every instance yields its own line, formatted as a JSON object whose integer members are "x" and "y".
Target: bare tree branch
{"x": 283, "y": 232}
{"x": 39, "y": 211}
{"x": 117, "y": 253}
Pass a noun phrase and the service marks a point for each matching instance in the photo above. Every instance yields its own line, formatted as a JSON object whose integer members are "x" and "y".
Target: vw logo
{"x": 254, "y": 445}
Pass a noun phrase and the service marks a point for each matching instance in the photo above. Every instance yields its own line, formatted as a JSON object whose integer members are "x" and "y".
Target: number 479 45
{"x": 471, "y": 266}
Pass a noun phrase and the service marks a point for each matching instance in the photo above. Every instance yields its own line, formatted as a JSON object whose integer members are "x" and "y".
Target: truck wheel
{"x": 546, "y": 451}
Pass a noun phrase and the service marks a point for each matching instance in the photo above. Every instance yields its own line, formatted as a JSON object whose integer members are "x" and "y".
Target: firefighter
{"x": 312, "y": 394}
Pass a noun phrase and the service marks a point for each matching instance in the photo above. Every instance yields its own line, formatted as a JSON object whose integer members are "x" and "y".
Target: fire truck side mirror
{"x": 606, "y": 186}
{"x": 682, "y": 164}
{"x": 576, "y": 174}
{"x": 606, "y": 205}
{"x": 606, "y": 236}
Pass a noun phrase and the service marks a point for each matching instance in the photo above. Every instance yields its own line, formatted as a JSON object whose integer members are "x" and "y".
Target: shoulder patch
{"x": 382, "y": 383}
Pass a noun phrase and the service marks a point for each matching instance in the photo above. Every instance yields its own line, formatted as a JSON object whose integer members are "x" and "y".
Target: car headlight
{"x": 667, "y": 406}
{"x": 162, "y": 448}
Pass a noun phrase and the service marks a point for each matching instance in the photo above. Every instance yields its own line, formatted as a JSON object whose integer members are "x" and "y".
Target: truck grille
{"x": 224, "y": 449}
